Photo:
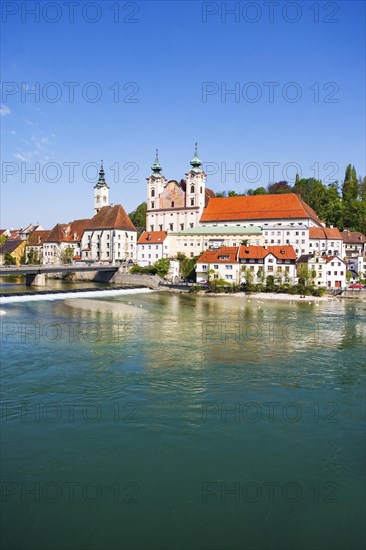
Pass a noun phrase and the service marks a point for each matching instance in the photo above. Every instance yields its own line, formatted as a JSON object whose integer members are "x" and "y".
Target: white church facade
{"x": 173, "y": 205}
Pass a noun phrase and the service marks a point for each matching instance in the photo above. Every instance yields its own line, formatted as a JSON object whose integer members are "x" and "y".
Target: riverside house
{"x": 231, "y": 264}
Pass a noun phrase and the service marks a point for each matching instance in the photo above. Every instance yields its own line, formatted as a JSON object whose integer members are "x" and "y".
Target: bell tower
{"x": 196, "y": 183}
{"x": 155, "y": 186}
{"x": 101, "y": 191}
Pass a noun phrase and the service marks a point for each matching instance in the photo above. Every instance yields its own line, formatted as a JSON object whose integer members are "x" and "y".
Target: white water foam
{"x": 67, "y": 295}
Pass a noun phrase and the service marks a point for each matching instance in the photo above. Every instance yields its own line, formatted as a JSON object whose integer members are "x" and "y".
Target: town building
{"x": 26, "y": 231}
{"x": 63, "y": 243}
{"x": 354, "y": 243}
{"x": 192, "y": 242}
{"x": 284, "y": 218}
{"x": 151, "y": 247}
{"x": 12, "y": 250}
{"x": 173, "y": 206}
{"x": 324, "y": 271}
{"x": 109, "y": 236}
{"x": 326, "y": 240}
{"x": 34, "y": 245}
{"x": 357, "y": 266}
{"x": 232, "y": 264}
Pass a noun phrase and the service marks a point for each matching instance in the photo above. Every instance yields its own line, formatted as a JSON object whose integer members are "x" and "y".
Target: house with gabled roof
{"x": 329, "y": 271}
{"x": 12, "y": 248}
{"x": 354, "y": 243}
{"x": 34, "y": 244}
{"x": 231, "y": 263}
{"x": 109, "y": 236}
{"x": 326, "y": 240}
{"x": 62, "y": 237}
{"x": 152, "y": 246}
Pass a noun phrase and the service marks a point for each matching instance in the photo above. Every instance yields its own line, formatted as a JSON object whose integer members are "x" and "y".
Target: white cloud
{"x": 4, "y": 110}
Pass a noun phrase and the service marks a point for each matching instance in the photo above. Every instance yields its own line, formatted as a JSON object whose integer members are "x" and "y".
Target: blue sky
{"x": 162, "y": 71}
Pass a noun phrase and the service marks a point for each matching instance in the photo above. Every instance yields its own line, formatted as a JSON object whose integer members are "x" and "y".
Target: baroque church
{"x": 173, "y": 206}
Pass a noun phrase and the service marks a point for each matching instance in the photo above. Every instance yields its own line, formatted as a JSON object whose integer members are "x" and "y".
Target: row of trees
{"x": 343, "y": 206}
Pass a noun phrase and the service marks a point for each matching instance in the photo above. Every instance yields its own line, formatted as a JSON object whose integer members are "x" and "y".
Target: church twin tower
{"x": 171, "y": 206}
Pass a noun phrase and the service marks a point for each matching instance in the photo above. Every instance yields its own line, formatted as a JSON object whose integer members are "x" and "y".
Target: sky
{"x": 267, "y": 89}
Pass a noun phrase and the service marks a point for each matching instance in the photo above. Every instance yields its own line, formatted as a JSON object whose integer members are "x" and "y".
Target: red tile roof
{"x": 67, "y": 232}
{"x": 37, "y": 238}
{"x": 111, "y": 217}
{"x": 217, "y": 256}
{"x": 258, "y": 207}
{"x": 258, "y": 252}
{"x": 325, "y": 233}
{"x": 152, "y": 237}
{"x": 329, "y": 258}
{"x": 353, "y": 237}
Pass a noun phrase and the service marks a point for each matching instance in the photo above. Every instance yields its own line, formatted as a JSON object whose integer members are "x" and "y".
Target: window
{"x": 336, "y": 273}
{"x": 228, "y": 266}
{"x": 278, "y": 232}
{"x": 181, "y": 226}
{"x": 151, "y": 228}
{"x": 156, "y": 246}
{"x": 270, "y": 268}
{"x": 160, "y": 227}
{"x": 153, "y": 192}
{"x": 192, "y": 188}
{"x": 98, "y": 198}
{"x": 142, "y": 255}
{"x": 152, "y": 204}
{"x": 296, "y": 232}
{"x": 192, "y": 202}
{"x": 216, "y": 266}
{"x": 342, "y": 272}
{"x": 171, "y": 227}
{"x": 229, "y": 277}
{"x": 191, "y": 225}
{"x": 156, "y": 255}
{"x": 172, "y": 204}
{"x": 200, "y": 189}
{"x": 287, "y": 232}
{"x": 204, "y": 267}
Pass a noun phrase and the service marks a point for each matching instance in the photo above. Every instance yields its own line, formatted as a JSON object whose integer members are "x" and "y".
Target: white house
{"x": 151, "y": 247}
{"x": 232, "y": 263}
{"x": 354, "y": 243}
{"x": 218, "y": 264}
{"x": 278, "y": 261}
{"x": 109, "y": 236}
{"x": 330, "y": 271}
{"x": 325, "y": 240}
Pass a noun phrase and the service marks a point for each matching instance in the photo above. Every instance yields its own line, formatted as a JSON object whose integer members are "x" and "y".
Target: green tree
{"x": 34, "y": 257}
{"x": 3, "y": 238}
{"x": 350, "y": 184}
{"x": 67, "y": 255}
{"x": 162, "y": 267}
{"x": 8, "y": 259}
{"x": 279, "y": 187}
{"x": 258, "y": 191}
{"x": 138, "y": 216}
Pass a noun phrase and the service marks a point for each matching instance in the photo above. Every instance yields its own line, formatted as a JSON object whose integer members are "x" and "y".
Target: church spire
{"x": 101, "y": 181}
{"x": 156, "y": 168}
{"x": 196, "y": 163}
